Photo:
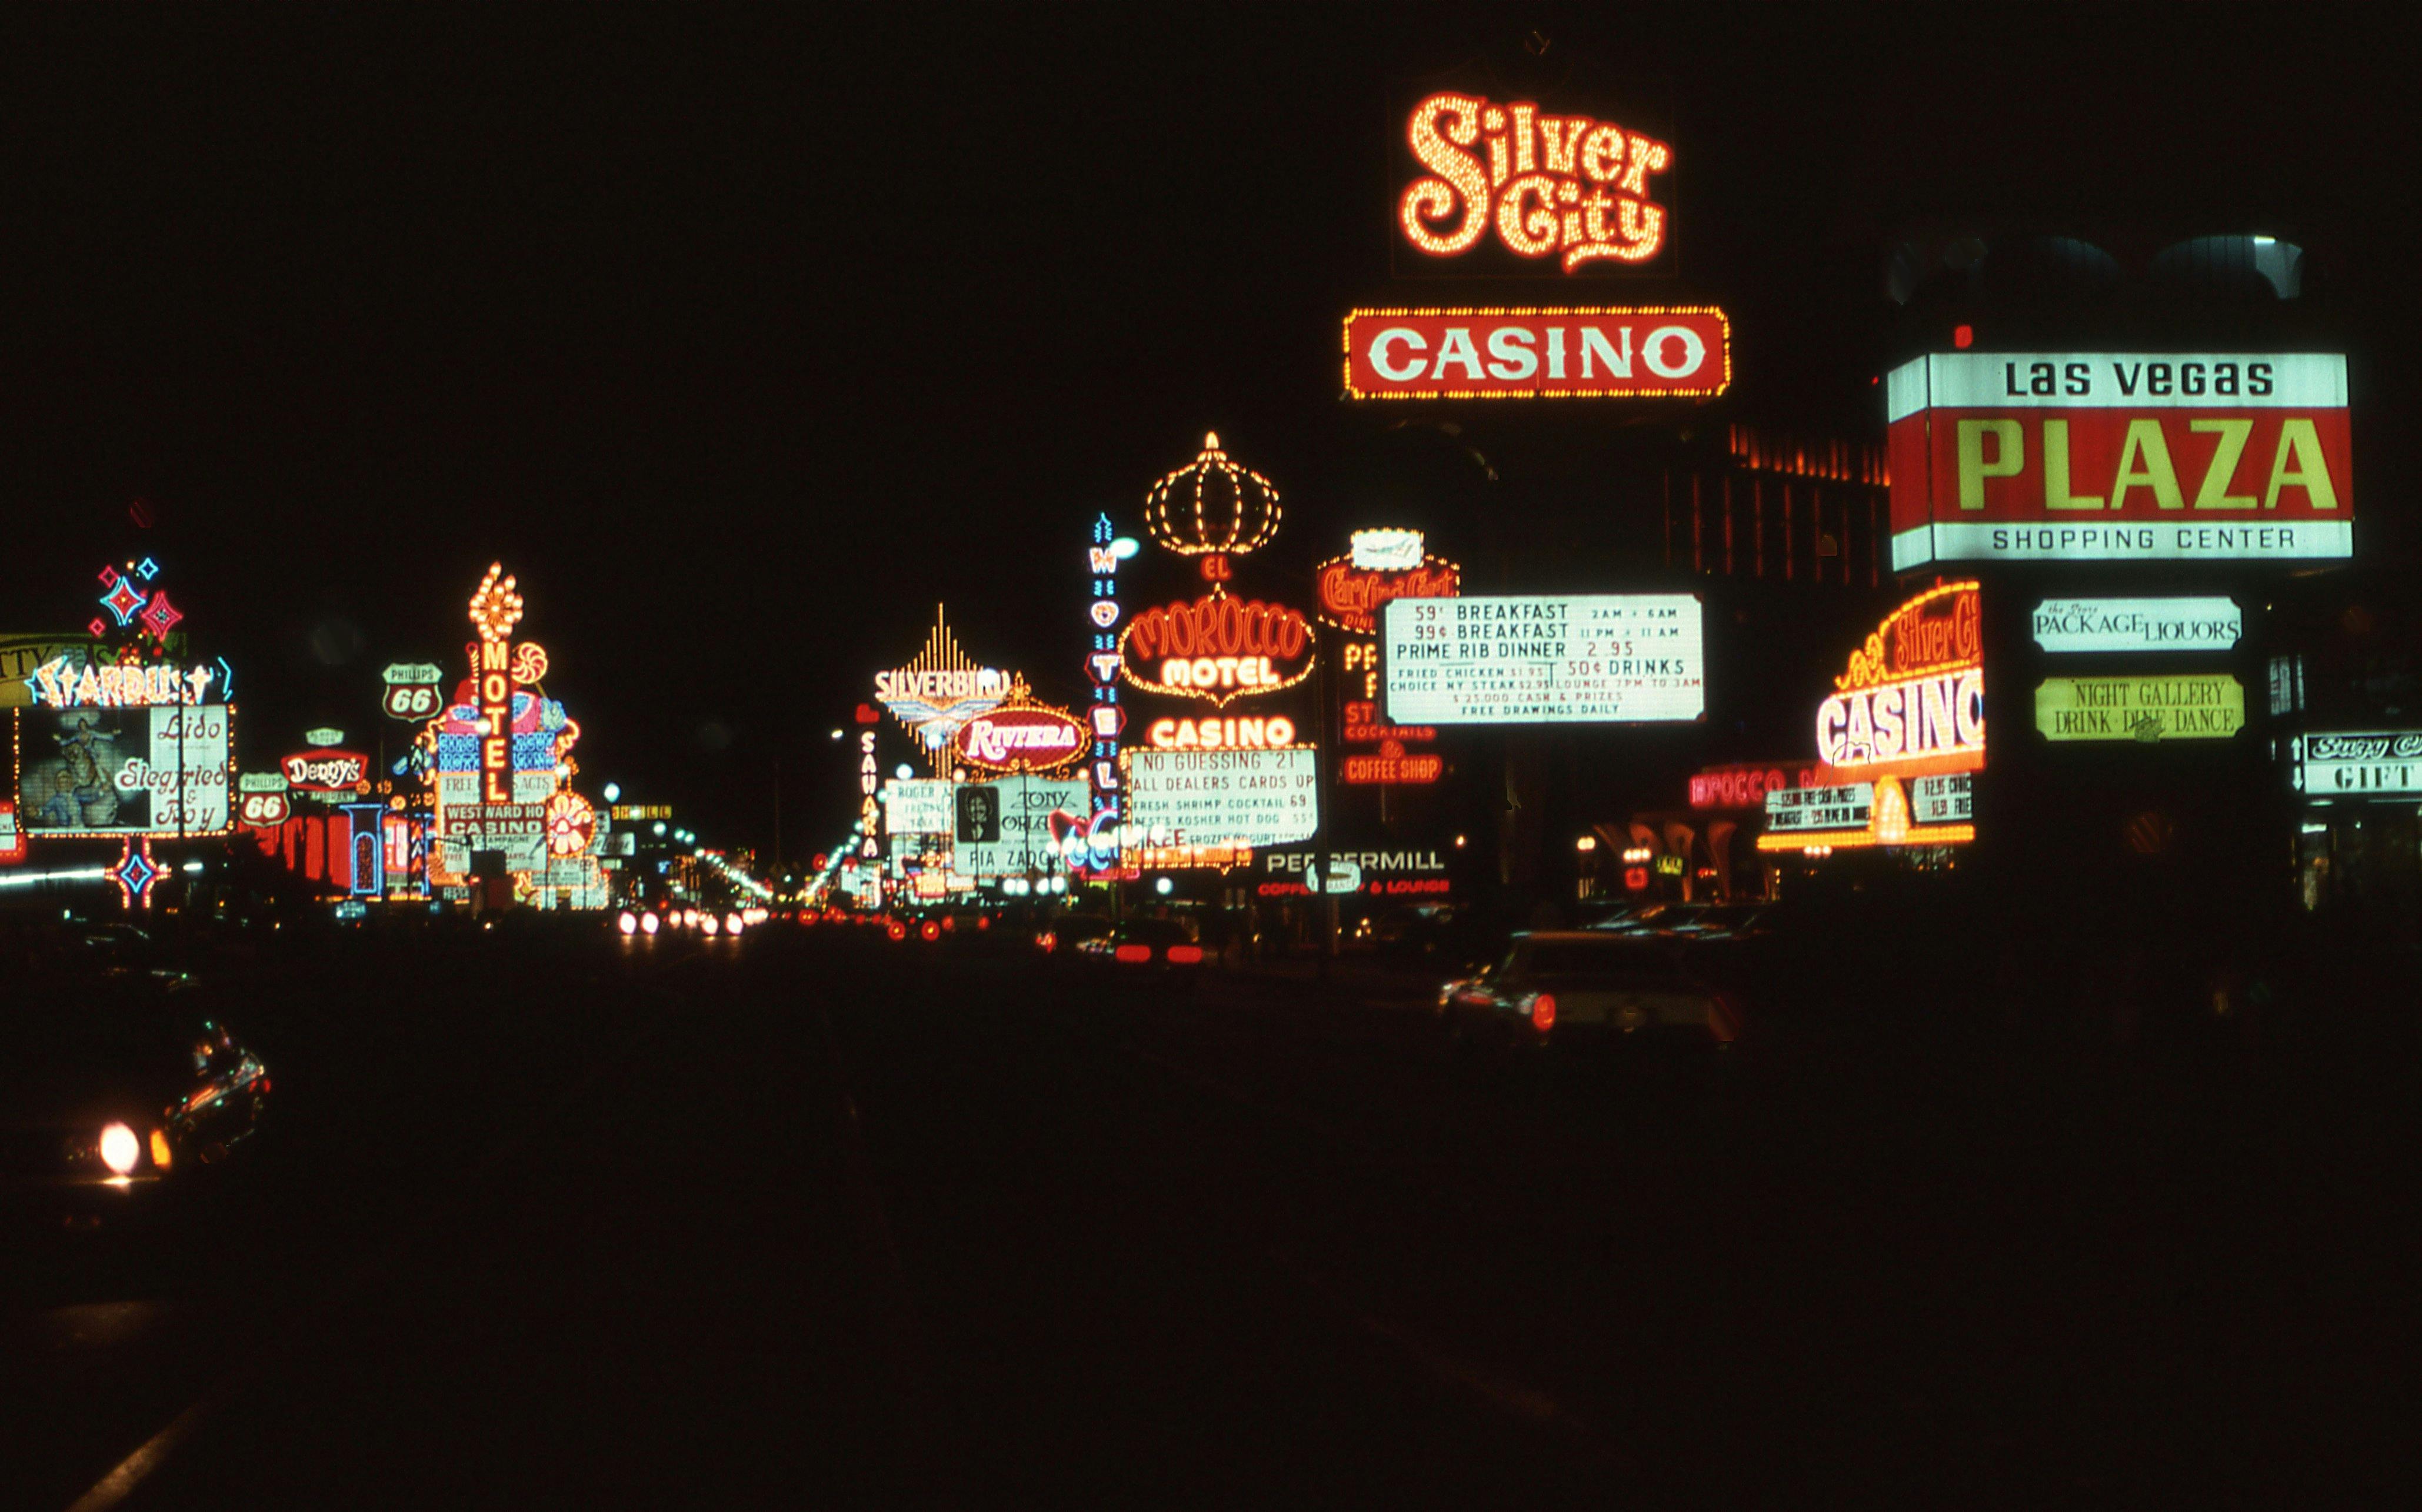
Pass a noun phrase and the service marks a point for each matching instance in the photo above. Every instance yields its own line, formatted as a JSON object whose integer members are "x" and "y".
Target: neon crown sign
{"x": 1546, "y": 184}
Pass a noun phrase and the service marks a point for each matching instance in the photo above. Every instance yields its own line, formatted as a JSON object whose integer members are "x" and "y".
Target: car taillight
{"x": 1134, "y": 953}
{"x": 161, "y": 1153}
{"x": 1185, "y": 955}
{"x": 1543, "y": 1012}
{"x": 930, "y": 930}
{"x": 1045, "y": 941}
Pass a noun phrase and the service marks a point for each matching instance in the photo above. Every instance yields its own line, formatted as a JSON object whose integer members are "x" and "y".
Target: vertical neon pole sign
{"x": 1104, "y": 719}
{"x": 495, "y": 610}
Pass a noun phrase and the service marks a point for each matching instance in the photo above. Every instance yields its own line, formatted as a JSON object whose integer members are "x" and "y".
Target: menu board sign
{"x": 1251, "y": 798}
{"x": 1596, "y": 658}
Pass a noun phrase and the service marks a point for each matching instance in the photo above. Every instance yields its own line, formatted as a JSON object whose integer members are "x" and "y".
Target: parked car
{"x": 1587, "y": 987}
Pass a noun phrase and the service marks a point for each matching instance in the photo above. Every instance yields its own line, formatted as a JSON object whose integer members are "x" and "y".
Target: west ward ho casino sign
{"x": 2020, "y": 457}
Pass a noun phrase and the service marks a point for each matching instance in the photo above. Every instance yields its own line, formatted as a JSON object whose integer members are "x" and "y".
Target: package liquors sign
{"x": 2138, "y": 624}
{"x": 2140, "y": 708}
{"x": 2358, "y": 764}
{"x": 1597, "y": 659}
{"x": 1217, "y": 798}
{"x": 2024, "y": 457}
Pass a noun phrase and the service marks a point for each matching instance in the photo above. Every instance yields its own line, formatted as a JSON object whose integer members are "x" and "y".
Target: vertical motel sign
{"x": 1104, "y": 719}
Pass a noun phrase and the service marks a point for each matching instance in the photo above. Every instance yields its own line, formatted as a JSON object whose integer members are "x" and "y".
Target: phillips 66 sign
{"x": 2028, "y": 457}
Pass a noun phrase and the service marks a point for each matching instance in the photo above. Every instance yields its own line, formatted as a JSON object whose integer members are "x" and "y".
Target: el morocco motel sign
{"x": 2120, "y": 457}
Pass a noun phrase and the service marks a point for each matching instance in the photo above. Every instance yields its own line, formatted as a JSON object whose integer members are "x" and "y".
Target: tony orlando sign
{"x": 2018, "y": 457}
{"x": 1681, "y": 351}
{"x": 2140, "y": 708}
{"x": 1599, "y": 659}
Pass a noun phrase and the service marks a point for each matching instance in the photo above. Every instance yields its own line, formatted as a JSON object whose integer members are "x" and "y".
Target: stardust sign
{"x": 2138, "y": 624}
{"x": 1683, "y": 352}
{"x": 2022, "y": 456}
{"x": 1600, "y": 659}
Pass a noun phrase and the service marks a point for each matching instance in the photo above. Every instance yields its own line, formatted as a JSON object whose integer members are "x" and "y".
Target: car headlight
{"x": 120, "y": 1149}
{"x": 161, "y": 1153}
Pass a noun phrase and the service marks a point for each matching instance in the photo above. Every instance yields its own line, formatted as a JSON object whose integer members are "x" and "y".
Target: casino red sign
{"x": 326, "y": 771}
{"x": 1020, "y": 737}
{"x": 12, "y": 834}
{"x": 1681, "y": 351}
{"x": 1217, "y": 648}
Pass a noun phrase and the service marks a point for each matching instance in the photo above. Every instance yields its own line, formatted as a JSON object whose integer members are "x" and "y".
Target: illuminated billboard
{"x": 918, "y": 805}
{"x": 1217, "y": 648}
{"x": 2028, "y": 457}
{"x": 1381, "y": 567}
{"x": 159, "y": 771}
{"x": 940, "y": 690}
{"x": 1524, "y": 352}
{"x": 1021, "y": 736}
{"x": 1223, "y": 798}
{"x": 1912, "y": 697}
{"x": 1599, "y": 658}
{"x": 1015, "y": 826}
{"x": 2164, "y": 707}
{"x": 1546, "y": 190}
{"x": 2358, "y": 764}
{"x": 1887, "y": 811}
{"x": 2138, "y": 624}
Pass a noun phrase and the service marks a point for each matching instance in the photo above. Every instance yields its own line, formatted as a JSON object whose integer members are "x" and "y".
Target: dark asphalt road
{"x": 799, "y": 1221}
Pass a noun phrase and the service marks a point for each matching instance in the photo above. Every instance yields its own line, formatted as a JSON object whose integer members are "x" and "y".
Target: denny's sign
{"x": 2027, "y": 457}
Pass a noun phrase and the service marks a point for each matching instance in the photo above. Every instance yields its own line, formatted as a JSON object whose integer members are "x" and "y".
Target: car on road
{"x": 1689, "y": 919}
{"x": 116, "y": 1086}
{"x": 1583, "y": 987}
{"x": 1146, "y": 946}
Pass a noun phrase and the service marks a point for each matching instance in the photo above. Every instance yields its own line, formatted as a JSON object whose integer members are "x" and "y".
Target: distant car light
{"x": 1134, "y": 953}
{"x": 1045, "y": 941}
{"x": 649, "y": 923}
{"x": 1185, "y": 955}
{"x": 929, "y": 931}
{"x": 707, "y": 924}
{"x": 627, "y": 924}
{"x": 1543, "y": 1012}
{"x": 734, "y": 923}
{"x": 161, "y": 1153}
{"x": 120, "y": 1149}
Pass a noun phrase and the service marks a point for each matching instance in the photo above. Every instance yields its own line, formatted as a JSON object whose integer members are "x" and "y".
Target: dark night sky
{"x": 744, "y": 339}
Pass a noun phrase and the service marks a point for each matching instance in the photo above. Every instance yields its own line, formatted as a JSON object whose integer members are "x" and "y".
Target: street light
{"x": 613, "y": 792}
{"x": 836, "y": 735}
